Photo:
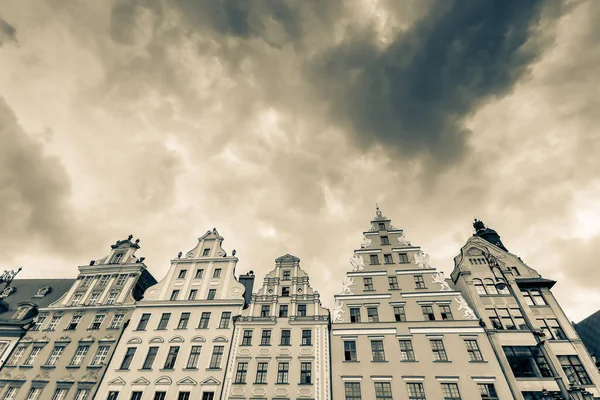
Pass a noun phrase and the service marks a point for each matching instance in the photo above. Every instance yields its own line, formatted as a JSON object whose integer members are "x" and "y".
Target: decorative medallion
{"x": 190, "y": 254}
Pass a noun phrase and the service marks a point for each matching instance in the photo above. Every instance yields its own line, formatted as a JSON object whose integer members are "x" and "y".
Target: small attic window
{"x": 7, "y": 291}
{"x": 117, "y": 258}
{"x": 41, "y": 292}
{"x": 21, "y": 312}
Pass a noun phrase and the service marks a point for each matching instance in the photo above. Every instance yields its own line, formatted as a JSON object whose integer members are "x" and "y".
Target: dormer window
{"x": 7, "y": 291}
{"x": 381, "y": 226}
{"x": 205, "y": 252}
{"x": 117, "y": 258}
{"x": 21, "y": 312}
{"x": 41, "y": 292}
{"x": 86, "y": 281}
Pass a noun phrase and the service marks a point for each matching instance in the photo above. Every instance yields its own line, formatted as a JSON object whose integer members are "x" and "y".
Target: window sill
{"x": 239, "y": 383}
{"x": 122, "y": 370}
{"x": 351, "y": 361}
{"x": 265, "y": 345}
{"x": 409, "y": 361}
{"x": 306, "y": 345}
{"x": 442, "y": 361}
{"x": 478, "y": 361}
{"x": 144, "y": 369}
{"x": 139, "y": 330}
{"x": 535, "y": 378}
{"x": 73, "y": 366}
{"x": 180, "y": 329}
{"x": 95, "y": 366}
{"x": 214, "y": 369}
{"x": 25, "y": 366}
{"x": 47, "y": 366}
{"x": 281, "y": 383}
{"x": 260, "y": 383}
{"x": 305, "y": 384}
{"x": 166, "y": 369}
{"x": 368, "y": 290}
{"x": 190, "y": 369}
{"x": 394, "y": 289}
{"x": 383, "y": 361}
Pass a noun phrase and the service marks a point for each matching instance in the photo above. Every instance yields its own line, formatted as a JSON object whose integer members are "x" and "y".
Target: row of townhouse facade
{"x": 399, "y": 329}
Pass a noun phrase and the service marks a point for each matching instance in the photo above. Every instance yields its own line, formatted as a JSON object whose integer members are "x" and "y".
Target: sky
{"x": 283, "y": 123}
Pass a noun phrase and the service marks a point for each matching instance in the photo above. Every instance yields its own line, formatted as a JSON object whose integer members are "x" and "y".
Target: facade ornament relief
{"x": 462, "y": 305}
{"x": 366, "y": 242}
{"x": 338, "y": 311}
{"x": 348, "y": 285}
{"x": 439, "y": 278}
{"x": 357, "y": 262}
{"x": 422, "y": 260}
{"x": 402, "y": 240}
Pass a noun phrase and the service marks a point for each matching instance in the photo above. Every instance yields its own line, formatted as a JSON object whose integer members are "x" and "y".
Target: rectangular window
{"x": 224, "y": 321}
{"x": 407, "y": 352}
{"x": 415, "y": 391}
{"x": 241, "y": 372}
{"x": 143, "y": 322}
{"x": 306, "y": 337}
{"x": 116, "y": 321}
{"x": 171, "y": 357}
{"x": 283, "y": 369}
{"x": 261, "y": 372}
{"x": 283, "y": 311}
{"x": 121, "y": 279}
{"x": 385, "y": 240}
{"x": 534, "y": 297}
{"x": 194, "y": 357}
{"x": 247, "y": 338}
{"x": 352, "y": 390}
{"x": 39, "y": 321}
{"x": 494, "y": 318}
{"x": 204, "y": 320}
{"x": 34, "y": 394}
{"x": 212, "y": 293}
{"x": 372, "y": 314}
{"x": 285, "y": 291}
{"x": 350, "y": 350}
{"x": 265, "y": 310}
{"x": 381, "y": 226}
{"x": 11, "y": 393}
{"x": 265, "y": 338}
{"x": 82, "y": 394}
{"x": 446, "y": 313}
{"x": 286, "y": 275}
{"x": 527, "y": 362}
{"x": 552, "y": 329}
{"x": 55, "y": 355}
{"x": 354, "y": 314}
{"x": 439, "y": 352}
{"x": 374, "y": 260}
{"x": 112, "y": 395}
{"x": 217, "y": 357}
{"x": 450, "y": 391}
{"x": 199, "y": 274}
{"x": 74, "y": 302}
{"x": 301, "y": 310}
{"x": 112, "y": 297}
{"x": 193, "y": 294}
{"x": 17, "y": 355}
{"x": 136, "y": 395}
{"x": 86, "y": 281}
{"x": 487, "y": 391}
{"x": 419, "y": 282}
{"x": 101, "y": 355}
{"x": 60, "y": 394}
{"x": 35, "y": 351}
{"x": 515, "y": 271}
{"x": 285, "y": 337}
{"x": 74, "y": 322}
{"x": 53, "y": 323}
{"x": 93, "y": 299}
{"x": 174, "y": 295}
{"x": 377, "y": 350}
{"x": 518, "y": 319}
{"x": 217, "y": 273}
{"x": 182, "y": 274}
{"x": 103, "y": 280}
{"x": 473, "y": 350}
{"x": 393, "y": 282}
{"x": 306, "y": 373}
{"x": 183, "y": 320}
{"x": 160, "y": 396}
{"x": 128, "y": 357}
{"x": 399, "y": 314}
{"x": 574, "y": 370}
{"x": 183, "y": 396}
{"x": 150, "y": 357}
{"x": 164, "y": 321}
{"x": 80, "y": 354}
{"x": 383, "y": 391}
{"x": 205, "y": 252}
{"x": 403, "y": 258}
{"x": 428, "y": 314}
{"x": 208, "y": 395}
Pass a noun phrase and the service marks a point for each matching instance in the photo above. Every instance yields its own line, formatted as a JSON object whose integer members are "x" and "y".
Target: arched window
{"x": 479, "y": 286}
{"x": 117, "y": 258}
{"x": 490, "y": 286}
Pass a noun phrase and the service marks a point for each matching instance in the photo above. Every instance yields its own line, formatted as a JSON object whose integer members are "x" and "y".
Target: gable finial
{"x": 130, "y": 237}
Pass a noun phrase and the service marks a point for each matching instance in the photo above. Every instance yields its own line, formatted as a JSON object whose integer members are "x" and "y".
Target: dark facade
{"x": 589, "y": 331}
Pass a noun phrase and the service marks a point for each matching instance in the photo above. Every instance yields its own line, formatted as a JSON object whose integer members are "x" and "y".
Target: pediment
{"x": 134, "y": 340}
{"x": 187, "y": 381}
{"x": 210, "y": 381}
{"x": 474, "y": 251}
{"x": 176, "y": 339}
{"x": 156, "y": 339}
{"x": 220, "y": 339}
{"x": 163, "y": 380}
{"x": 141, "y": 381}
{"x": 287, "y": 258}
{"x": 198, "y": 339}
{"x": 117, "y": 381}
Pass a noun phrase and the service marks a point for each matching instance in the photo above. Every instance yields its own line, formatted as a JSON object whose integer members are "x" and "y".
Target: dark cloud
{"x": 415, "y": 94}
{"x": 34, "y": 190}
{"x": 8, "y": 33}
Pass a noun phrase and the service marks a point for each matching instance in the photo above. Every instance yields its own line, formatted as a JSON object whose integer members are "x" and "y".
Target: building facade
{"x": 589, "y": 331}
{"x": 536, "y": 345}
{"x": 281, "y": 346}
{"x": 65, "y": 353}
{"x": 178, "y": 342}
{"x": 20, "y": 302}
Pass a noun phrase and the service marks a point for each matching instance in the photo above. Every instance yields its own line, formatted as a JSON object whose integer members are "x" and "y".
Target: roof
{"x": 25, "y": 291}
{"x": 535, "y": 282}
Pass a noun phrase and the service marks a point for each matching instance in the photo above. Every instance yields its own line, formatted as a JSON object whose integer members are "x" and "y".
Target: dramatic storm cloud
{"x": 282, "y": 123}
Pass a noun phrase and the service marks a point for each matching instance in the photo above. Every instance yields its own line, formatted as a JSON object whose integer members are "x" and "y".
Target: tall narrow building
{"x": 401, "y": 331}
{"x": 538, "y": 349}
{"x": 65, "y": 353}
{"x": 280, "y": 346}
{"x": 177, "y": 344}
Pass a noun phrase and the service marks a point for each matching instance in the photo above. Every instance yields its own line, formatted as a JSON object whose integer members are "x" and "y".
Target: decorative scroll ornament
{"x": 462, "y": 305}
{"x": 439, "y": 278}
{"x": 348, "y": 285}
{"x": 338, "y": 311}
{"x": 357, "y": 262}
{"x": 366, "y": 242}
{"x": 402, "y": 240}
{"x": 422, "y": 260}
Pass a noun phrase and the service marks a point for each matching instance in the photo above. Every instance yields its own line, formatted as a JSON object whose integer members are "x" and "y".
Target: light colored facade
{"x": 177, "y": 344}
{"x": 281, "y": 346}
{"x": 64, "y": 355}
{"x": 401, "y": 331}
{"x": 535, "y": 343}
